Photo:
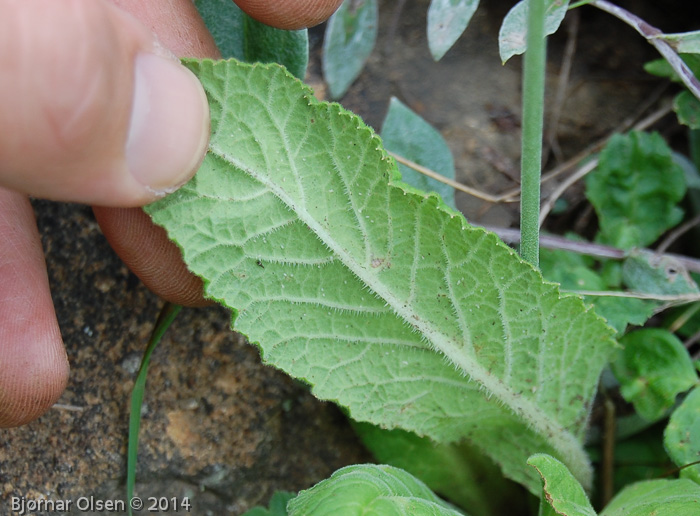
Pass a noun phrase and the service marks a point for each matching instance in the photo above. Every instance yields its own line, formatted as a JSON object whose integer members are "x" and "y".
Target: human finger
{"x": 143, "y": 246}
{"x": 33, "y": 363}
{"x": 95, "y": 110}
{"x": 292, "y": 14}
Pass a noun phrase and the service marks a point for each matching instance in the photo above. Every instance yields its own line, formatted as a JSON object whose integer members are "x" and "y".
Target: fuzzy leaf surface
{"x": 369, "y": 490}
{"x": 379, "y": 296}
{"x": 682, "y": 436}
{"x": 447, "y": 20}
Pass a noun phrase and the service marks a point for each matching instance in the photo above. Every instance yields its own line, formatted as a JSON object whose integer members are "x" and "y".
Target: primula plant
{"x": 464, "y": 370}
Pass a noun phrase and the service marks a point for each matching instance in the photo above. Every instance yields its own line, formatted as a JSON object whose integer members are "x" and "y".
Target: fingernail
{"x": 169, "y": 127}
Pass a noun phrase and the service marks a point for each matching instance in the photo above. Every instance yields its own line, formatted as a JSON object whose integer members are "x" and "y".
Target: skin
{"x": 81, "y": 141}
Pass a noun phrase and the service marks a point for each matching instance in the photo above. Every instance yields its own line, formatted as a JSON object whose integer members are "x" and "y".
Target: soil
{"x": 218, "y": 426}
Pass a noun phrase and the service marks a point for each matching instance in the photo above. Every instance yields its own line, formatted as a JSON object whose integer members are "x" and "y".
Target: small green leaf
{"x": 687, "y": 108}
{"x": 656, "y": 498}
{"x": 350, "y": 37}
{"x": 636, "y": 190}
{"x": 369, "y": 490}
{"x": 447, "y": 20}
{"x": 408, "y": 135}
{"x": 240, "y": 36}
{"x": 653, "y": 368}
{"x": 683, "y": 43}
{"x": 512, "y": 38}
{"x": 278, "y": 505}
{"x": 682, "y": 436}
{"x": 575, "y": 272}
{"x": 662, "y": 68}
{"x": 561, "y": 491}
{"x": 458, "y": 472}
{"x": 651, "y": 273}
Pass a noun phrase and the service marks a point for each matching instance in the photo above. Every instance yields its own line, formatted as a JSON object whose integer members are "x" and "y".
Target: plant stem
{"x": 165, "y": 318}
{"x": 533, "y": 113}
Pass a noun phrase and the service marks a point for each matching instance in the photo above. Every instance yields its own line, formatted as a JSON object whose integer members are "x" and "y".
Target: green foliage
{"x": 165, "y": 319}
{"x": 377, "y": 295}
{"x": 240, "y": 36}
{"x": 687, "y": 107}
{"x": 653, "y": 368}
{"x": 369, "y": 490}
{"x": 350, "y": 37}
{"x": 647, "y": 272}
{"x": 278, "y": 505}
{"x": 383, "y": 299}
{"x": 577, "y": 272}
{"x": 512, "y": 38}
{"x": 685, "y": 104}
{"x": 635, "y": 190}
{"x": 656, "y": 498}
{"x": 682, "y": 436}
{"x": 408, "y": 135}
{"x": 561, "y": 492}
{"x": 458, "y": 472}
{"x": 447, "y": 20}
{"x": 685, "y": 43}
{"x": 662, "y": 68}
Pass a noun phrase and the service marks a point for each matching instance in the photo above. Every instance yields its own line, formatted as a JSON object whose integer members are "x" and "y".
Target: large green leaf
{"x": 636, "y": 190}
{"x": 350, "y": 37}
{"x": 369, "y": 490}
{"x": 405, "y": 133}
{"x": 512, "y": 37}
{"x": 379, "y": 296}
{"x": 682, "y": 436}
{"x": 447, "y": 20}
{"x": 656, "y": 498}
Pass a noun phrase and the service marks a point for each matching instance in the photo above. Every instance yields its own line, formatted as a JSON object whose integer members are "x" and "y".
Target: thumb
{"x": 95, "y": 110}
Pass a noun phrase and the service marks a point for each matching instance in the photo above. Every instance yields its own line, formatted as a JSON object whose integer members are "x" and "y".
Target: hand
{"x": 97, "y": 111}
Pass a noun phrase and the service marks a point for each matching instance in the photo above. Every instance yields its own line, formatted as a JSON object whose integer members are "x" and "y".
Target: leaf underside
{"x": 378, "y": 295}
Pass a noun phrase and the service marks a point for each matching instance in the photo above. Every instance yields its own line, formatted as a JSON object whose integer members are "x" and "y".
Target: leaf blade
{"x": 405, "y": 133}
{"x": 379, "y": 296}
{"x": 351, "y": 34}
{"x": 372, "y": 490}
{"x": 447, "y": 20}
{"x": 682, "y": 437}
{"x": 512, "y": 36}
